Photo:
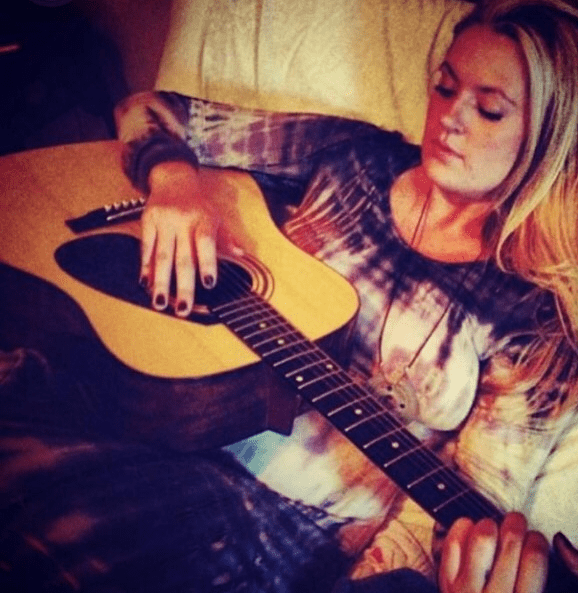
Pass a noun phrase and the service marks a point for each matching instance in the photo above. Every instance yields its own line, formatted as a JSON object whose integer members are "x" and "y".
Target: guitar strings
{"x": 356, "y": 395}
{"x": 422, "y": 452}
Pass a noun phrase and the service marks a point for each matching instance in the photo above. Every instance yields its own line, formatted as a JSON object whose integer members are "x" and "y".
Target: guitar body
{"x": 192, "y": 383}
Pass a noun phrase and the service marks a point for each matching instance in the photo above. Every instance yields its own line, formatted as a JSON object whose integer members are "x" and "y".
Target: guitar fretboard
{"x": 354, "y": 410}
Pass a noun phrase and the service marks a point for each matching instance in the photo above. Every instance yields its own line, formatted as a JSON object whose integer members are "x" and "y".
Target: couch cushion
{"x": 367, "y": 59}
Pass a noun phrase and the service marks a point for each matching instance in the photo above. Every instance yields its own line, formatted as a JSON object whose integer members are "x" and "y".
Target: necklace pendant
{"x": 397, "y": 374}
{"x": 398, "y": 391}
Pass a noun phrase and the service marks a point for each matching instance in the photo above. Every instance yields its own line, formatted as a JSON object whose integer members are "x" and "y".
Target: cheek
{"x": 498, "y": 152}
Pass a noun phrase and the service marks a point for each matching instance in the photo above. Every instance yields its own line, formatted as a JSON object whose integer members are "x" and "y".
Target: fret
{"x": 396, "y": 445}
{"x": 228, "y": 308}
{"x": 291, "y": 359}
{"x": 366, "y": 432}
{"x": 296, "y": 350}
{"x": 245, "y": 315}
{"x": 429, "y": 474}
{"x": 438, "y": 508}
{"x": 282, "y": 344}
{"x": 313, "y": 370}
{"x": 296, "y": 363}
{"x": 302, "y": 384}
{"x": 327, "y": 363}
{"x": 247, "y": 306}
{"x": 273, "y": 335}
{"x": 365, "y": 399}
{"x": 362, "y": 420}
{"x": 266, "y": 322}
{"x": 317, "y": 400}
{"x": 471, "y": 504}
{"x": 337, "y": 379}
{"x": 381, "y": 437}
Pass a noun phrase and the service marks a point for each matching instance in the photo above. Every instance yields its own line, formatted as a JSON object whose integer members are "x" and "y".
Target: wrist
{"x": 173, "y": 178}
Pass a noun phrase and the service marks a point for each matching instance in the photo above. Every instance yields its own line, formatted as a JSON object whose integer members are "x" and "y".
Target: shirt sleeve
{"x": 551, "y": 503}
{"x": 161, "y": 126}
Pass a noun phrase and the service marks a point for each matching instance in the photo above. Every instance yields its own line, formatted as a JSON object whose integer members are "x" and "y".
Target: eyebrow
{"x": 483, "y": 88}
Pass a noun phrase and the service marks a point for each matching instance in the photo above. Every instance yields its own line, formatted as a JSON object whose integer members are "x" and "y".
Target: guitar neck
{"x": 354, "y": 410}
{"x": 364, "y": 420}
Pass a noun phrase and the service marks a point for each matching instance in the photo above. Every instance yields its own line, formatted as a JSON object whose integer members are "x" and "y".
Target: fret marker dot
{"x": 441, "y": 486}
{"x": 262, "y": 325}
{"x": 358, "y": 411}
{"x": 299, "y": 378}
{"x": 280, "y": 341}
{"x": 329, "y": 367}
{"x": 395, "y": 445}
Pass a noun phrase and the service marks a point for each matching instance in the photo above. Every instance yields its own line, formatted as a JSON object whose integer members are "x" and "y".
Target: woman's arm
{"x": 159, "y": 126}
{"x": 166, "y": 136}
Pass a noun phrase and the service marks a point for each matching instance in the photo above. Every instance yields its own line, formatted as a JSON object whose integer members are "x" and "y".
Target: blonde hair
{"x": 534, "y": 229}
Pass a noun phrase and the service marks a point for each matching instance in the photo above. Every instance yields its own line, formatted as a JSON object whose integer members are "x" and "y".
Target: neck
{"x": 458, "y": 219}
{"x": 451, "y": 213}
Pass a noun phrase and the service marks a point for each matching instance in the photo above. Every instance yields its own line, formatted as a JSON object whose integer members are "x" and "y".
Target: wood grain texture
{"x": 41, "y": 189}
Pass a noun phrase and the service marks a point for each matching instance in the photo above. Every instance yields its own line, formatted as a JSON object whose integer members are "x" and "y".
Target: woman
{"x": 464, "y": 257}
{"x": 495, "y": 182}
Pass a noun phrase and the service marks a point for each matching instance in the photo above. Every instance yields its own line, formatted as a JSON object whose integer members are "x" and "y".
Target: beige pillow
{"x": 367, "y": 59}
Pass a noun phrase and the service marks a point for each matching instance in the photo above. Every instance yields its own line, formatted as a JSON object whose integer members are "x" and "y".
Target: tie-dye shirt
{"x": 447, "y": 322}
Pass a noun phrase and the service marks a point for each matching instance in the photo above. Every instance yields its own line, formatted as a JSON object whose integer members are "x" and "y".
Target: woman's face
{"x": 476, "y": 117}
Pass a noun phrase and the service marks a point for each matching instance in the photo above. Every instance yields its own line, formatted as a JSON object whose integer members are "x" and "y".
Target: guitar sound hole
{"x": 110, "y": 263}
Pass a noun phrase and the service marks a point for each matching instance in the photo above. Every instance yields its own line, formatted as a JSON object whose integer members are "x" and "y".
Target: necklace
{"x": 395, "y": 385}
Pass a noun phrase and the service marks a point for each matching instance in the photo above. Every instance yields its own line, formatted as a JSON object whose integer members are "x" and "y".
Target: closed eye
{"x": 444, "y": 91}
{"x": 448, "y": 92}
{"x": 490, "y": 115}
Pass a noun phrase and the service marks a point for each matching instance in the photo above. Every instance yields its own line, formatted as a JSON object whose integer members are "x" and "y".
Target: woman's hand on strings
{"x": 486, "y": 558}
{"x": 181, "y": 229}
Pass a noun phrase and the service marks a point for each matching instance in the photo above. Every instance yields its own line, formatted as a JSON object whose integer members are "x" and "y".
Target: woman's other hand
{"x": 180, "y": 230}
{"x": 486, "y": 558}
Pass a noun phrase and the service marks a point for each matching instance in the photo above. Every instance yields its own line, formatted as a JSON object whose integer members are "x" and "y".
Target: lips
{"x": 444, "y": 150}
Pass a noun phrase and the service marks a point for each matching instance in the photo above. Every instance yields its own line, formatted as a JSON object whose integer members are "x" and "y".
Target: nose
{"x": 454, "y": 118}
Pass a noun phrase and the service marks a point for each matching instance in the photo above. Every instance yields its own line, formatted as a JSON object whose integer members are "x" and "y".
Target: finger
{"x": 567, "y": 552}
{"x": 163, "y": 266}
{"x": 185, "y": 273}
{"x": 481, "y": 550}
{"x": 206, "y": 251}
{"x": 452, "y": 551}
{"x": 533, "y": 568}
{"x": 227, "y": 243}
{"x": 148, "y": 238}
{"x": 512, "y": 533}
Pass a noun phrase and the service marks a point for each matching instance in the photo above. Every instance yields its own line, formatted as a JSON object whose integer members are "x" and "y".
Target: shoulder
{"x": 512, "y": 305}
{"x": 371, "y": 157}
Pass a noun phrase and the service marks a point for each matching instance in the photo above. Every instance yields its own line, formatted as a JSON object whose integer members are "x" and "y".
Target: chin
{"x": 453, "y": 182}
{"x": 447, "y": 176}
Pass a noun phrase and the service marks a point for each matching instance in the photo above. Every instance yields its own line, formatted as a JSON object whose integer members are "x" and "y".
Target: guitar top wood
{"x": 41, "y": 189}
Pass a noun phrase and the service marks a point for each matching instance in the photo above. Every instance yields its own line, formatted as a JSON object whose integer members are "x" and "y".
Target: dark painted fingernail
{"x": 144, "y": 282}
{"x": 564, "y": 539}
{"x": 182, "y": 306}
{"x": 209, "y": 281}
{"x": 160, "y": 300}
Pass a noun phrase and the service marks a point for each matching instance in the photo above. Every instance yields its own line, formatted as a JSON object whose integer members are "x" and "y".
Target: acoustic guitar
{"x": 250, "y": 312}
{"x": 197, "y": 384}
